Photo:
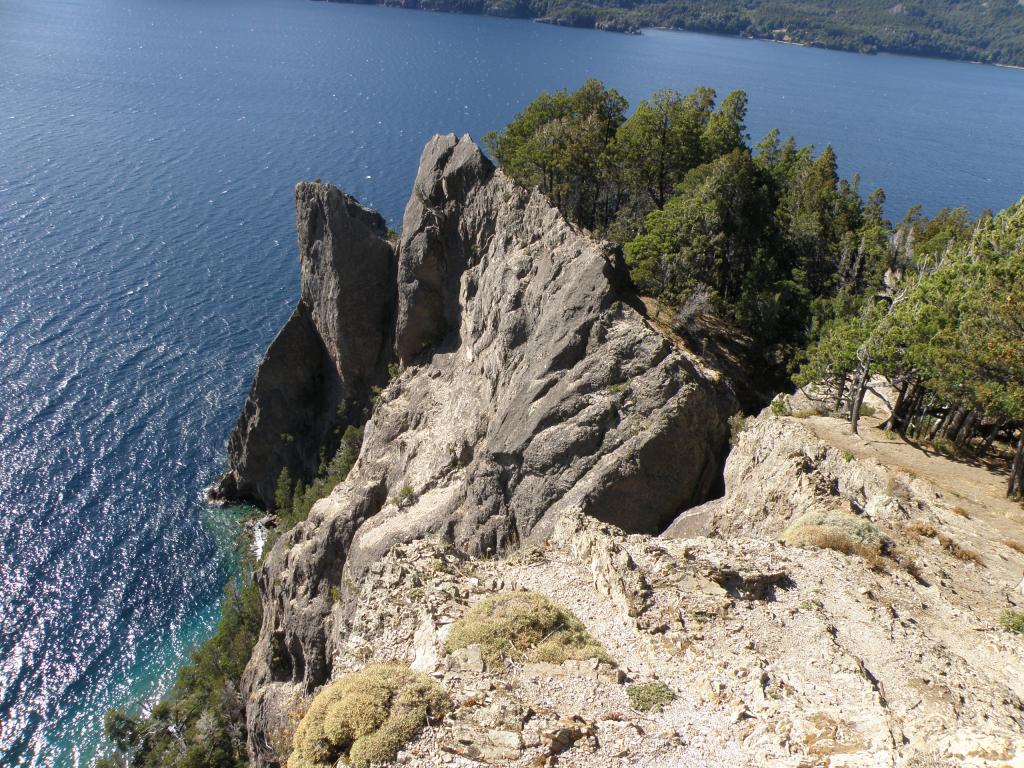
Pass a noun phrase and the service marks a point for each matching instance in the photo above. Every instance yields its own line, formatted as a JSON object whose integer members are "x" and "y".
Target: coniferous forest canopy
{"x": 762, "y": 242}
{"x": 975, "y": 30}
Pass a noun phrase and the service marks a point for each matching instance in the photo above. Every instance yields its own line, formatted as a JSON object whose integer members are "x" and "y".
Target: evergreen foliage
{"x": 767, "y": 236}
{"x": 947, "y": 324}
{"x": 201, "y": 722}
{"x": 770, "y": 239}
{"x": 294, "y": 499}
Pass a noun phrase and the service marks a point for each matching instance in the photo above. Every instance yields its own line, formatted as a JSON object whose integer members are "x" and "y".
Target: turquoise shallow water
{"x": 148, "y": 150}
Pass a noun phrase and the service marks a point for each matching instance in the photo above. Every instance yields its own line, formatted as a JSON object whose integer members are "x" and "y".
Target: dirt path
{"x": 979, "y": 490}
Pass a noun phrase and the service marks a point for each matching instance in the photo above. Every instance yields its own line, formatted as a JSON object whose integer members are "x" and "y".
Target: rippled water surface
{"x": 147, "y": 155}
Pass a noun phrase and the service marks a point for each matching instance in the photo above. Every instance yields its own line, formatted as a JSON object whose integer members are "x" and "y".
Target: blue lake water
{"x": 148, "y": 151}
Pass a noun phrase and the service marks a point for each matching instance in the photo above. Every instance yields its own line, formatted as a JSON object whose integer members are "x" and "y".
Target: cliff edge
{"x": 517, "y": 383}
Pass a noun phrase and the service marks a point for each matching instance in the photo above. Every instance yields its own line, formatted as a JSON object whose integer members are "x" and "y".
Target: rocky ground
{"x": 777, "y": 655}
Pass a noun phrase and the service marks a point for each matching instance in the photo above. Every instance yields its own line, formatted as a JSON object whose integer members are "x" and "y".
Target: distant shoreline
{"x": 607, "y": 25}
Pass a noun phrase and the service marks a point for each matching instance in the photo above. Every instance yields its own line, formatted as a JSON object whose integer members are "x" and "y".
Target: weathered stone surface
{"x": 529, "y": 386}
{"x": 779, "y": 471}
{"x": 777, "y": 655}
{"x": 284, "y": 401}
{"x": 347, "y": 280}
{"x": 331, "y": 350}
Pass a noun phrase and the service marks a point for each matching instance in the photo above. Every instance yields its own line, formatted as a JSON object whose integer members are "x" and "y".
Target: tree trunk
{"x": 954, "y": 424}
{"x": 857, "y": 396}
{"x": 916, "y": 412}
{"x": 840, "y": 391}
{"x": 1016, "y": 484}
{"x": 920, "y": 409}
{"x": 897, "y": 415}
{"x": 991, "y": 438}
{"x": 966, "y": 431}
{"x": 940, "y": 424}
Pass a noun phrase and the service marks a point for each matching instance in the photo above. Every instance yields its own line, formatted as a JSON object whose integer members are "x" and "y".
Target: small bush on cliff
{"x": 840, "y": 531}
{"x": 737, "y": 424}
{"x": 406, "y": 495}
{"x": 781, "y": 407}
{"x": 294, "y": 500}
{"x": 524, "y": 626}
{"x": 647, "y": 697}
{"x": 365, "y": 717}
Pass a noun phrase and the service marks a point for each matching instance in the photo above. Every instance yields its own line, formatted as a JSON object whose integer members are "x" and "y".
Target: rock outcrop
{"x": 775, "y": 655}
{"x": 895, "y": 660}
{"x": 523, "y": 384}
{"x": 537, "y": 433}
{"x": 318, "y": 372}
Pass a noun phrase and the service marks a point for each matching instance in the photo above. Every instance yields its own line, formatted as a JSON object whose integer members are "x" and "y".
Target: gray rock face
{"x": 528, "y": 387}
{"x": 318, "y": 371}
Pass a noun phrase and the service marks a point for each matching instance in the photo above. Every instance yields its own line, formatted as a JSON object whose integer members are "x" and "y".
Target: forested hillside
{"x": 974, "y": 30}
{"x": 770, "y": 240}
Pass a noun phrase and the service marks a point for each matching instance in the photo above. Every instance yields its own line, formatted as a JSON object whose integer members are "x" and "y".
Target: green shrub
{"x": 1012, "y": 621}
{"x": 847, "y": 456}
{"x": 737, "y": 424}
{"x": 781, "y": 407}
{"x": 647, "y": 697}
{"x": 293, "y": 501}
{"x": 406, "y": 495}
{"x": 365, "y": 717}
{"x": 283, "y": 491}
{"x": 524, "y": 626}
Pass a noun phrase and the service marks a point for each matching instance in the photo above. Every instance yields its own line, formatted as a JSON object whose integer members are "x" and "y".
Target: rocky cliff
{"x": 521, "y": 384}
{"x": 766, "y": 654}
{"x": 318, "y": 372}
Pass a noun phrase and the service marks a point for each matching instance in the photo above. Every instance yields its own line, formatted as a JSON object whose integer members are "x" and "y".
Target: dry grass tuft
{"x": 957, "y": 550}
{"x": 839, "y": 531}
{"x": 921, "y": 528}
{"x": 898, "y": 489}
{"x": 365, "y": 717}
{"x": 1015, "y": 545}
{"x": 524, "y": 626}
{"x": 911, "y": 473}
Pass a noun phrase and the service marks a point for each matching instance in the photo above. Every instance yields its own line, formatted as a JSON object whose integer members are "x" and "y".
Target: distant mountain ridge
{"x": 989, "y": 31}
